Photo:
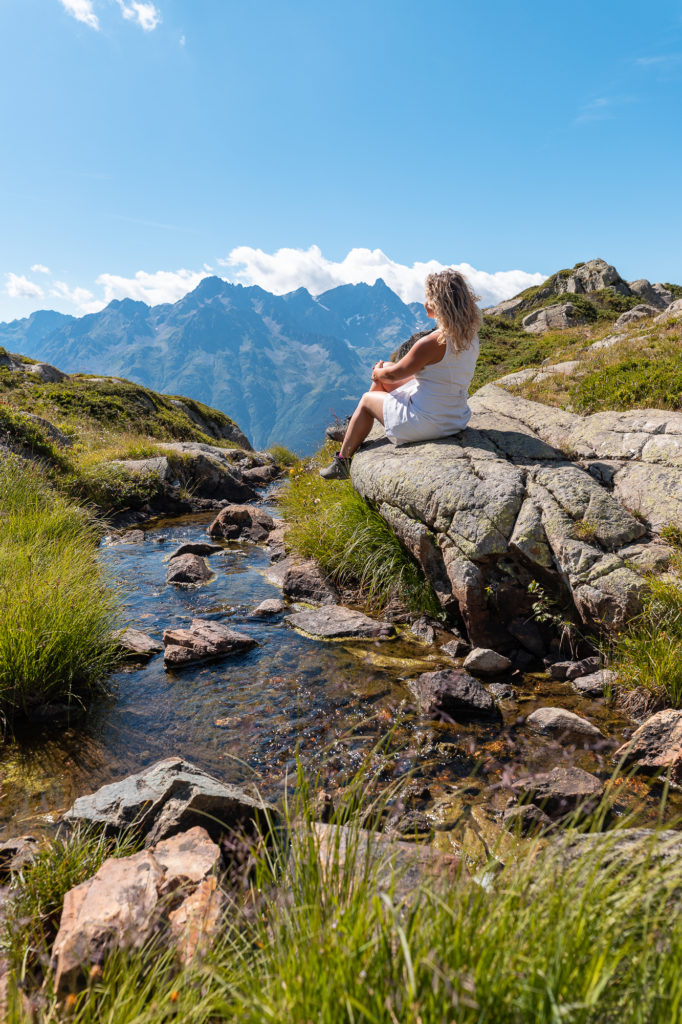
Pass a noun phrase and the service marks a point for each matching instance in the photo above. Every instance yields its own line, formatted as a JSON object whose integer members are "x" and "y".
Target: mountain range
{"x": 280, "y": 365}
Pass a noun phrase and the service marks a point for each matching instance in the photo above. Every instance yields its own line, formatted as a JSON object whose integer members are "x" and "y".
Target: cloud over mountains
{"x": 282, "y": 271}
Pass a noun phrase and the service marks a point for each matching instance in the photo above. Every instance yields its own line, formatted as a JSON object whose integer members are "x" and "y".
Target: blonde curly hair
{"x": 454, "y": 304}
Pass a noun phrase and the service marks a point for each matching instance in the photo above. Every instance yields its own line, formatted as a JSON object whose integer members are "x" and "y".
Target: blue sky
{"x": 147, "y": 144}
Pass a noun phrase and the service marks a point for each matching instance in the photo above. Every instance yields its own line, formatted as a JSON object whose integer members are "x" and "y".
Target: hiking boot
{"x": 338, "y": 470}
{"x": 337, "y": 431}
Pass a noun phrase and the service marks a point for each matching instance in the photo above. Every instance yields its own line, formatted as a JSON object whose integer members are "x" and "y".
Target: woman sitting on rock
{"x": 424, "y": 395}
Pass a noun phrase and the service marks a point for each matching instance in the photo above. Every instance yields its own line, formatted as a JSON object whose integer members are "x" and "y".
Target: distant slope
{"x": 280, "y": 365}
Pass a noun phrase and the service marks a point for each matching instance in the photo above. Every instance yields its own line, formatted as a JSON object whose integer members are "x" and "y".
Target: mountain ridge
{"x": 282, "y": 365}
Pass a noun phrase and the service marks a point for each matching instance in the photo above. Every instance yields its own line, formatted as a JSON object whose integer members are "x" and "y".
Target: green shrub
{"x": 25, "y": 436}
{"x": 330, "y": 522}
{"x": 58, "y": 609}
{"x": 672, "y": 534}
{"x": 637, "y": 381}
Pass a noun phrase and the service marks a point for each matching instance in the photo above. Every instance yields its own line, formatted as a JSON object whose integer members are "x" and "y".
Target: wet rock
{"x": 452, "y": 694}
{"x": 242, "y": 522}
{"x": 593, "y": 684}
{"x": 502, "y": 691}
{"x": 561, "y": 791}
{"x": 482, "y": 661}
{"x": 202, "y": 548}
{"x": 188, "y": 569}
{"x": 335, "y": 622}
{"x": 170, "y": 797}
{"x": 127, "y": 901}
{"x": 204, "y": 640}
{"x": 528, "y": 635}
{"x": 423, "y": 629}
{"x": 138, "y": 645}
{"x": 558, "y": 669}
{"x": 656, "y": 746}
{"x": 456, "y": 648}
{"x": 305, "y": 581}
{"x": 133, "y": 537}
{"x": 561, "y": 722}
{"x": 261, "y": 476}
{"x": 583, "y": 668}
{"x": 271, "y": 606}
{"x": 16, "y": 853}
{"x": 527, "y": 819}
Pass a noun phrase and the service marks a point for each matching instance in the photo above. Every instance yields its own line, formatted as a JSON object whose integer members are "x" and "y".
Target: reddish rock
{"x": 126, "y": 902}
{"x": 656, "y": 746}
{"x": 203, "y": 641}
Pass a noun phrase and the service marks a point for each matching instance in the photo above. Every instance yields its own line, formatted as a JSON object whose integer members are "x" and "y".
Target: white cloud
{"x": 278, "y": 272}
{"x": 40, "y": 268}
{"x": 82, "y": 298}
{"x": 81, "y": 10}
{"x": 661, "y": 60}
{"x": 288, "y": 269}
{"x": 147, "y": 15}
{"x": 19, "y": 287}
{"x": 183, "y": 40}
{"x": 152, "y": 288}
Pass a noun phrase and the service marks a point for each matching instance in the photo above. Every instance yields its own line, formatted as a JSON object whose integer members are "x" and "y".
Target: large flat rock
{"x": 205, "y": 640}
{"x": 531, "y": 492}
{"x": 335, "y": 622}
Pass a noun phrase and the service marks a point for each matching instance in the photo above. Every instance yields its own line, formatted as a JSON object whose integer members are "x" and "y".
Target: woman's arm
{"x": 426, "y": 351}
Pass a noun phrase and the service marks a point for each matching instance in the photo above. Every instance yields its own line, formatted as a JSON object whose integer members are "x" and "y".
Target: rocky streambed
{"x": 272, "y": 668}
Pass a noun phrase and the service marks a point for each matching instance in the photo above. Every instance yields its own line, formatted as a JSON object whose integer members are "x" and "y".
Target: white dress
{"x": 434, "y": 403}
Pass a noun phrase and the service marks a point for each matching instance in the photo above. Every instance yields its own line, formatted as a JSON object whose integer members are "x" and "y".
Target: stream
{"x": 247, "y": 718}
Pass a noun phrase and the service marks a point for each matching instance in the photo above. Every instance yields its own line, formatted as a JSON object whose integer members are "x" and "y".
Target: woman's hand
{"x": 377, "y": 374}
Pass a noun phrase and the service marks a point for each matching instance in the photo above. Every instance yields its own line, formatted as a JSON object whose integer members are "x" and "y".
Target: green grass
{"x": 648, "y": 653}
{"x": 636, "y": 381}
{"x": 283, "y": 456}
{"x": 328, "y": 938}
{"x": 38, "y": 890}
{"x": 58, "y": 609}
{"x": 330, "y": 522}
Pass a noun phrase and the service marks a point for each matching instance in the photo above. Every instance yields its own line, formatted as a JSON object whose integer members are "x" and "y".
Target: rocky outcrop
{"x": 170, "y": 887}
{"x": 652, "y": 294}
{"x": 591, "y": 276}
{"x": 641, "y": 312}
{"x": 672, "y": 312}
{"x": 553, "y": 318}
{"x": 205, "y": 640}
{"x": 528, "y": 492}
{"x": 170, "y": 797}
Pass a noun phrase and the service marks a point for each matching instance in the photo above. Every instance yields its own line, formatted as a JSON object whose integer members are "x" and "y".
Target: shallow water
{"x": 328, "y": 702}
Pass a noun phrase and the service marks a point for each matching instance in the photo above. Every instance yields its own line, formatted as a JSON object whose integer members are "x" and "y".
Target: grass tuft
{"x": 330, "y": 522}
{"x": 58, "y": 608}
{"x": 648, "y": 654}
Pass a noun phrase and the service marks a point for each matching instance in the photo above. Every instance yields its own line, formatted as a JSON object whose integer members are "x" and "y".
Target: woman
{"x": 424, "y": 395}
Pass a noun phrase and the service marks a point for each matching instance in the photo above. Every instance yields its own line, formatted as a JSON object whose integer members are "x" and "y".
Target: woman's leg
{"x": 370, "y": 408}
